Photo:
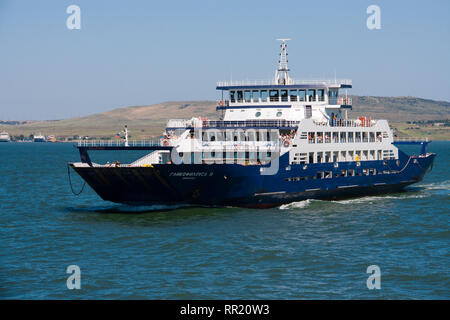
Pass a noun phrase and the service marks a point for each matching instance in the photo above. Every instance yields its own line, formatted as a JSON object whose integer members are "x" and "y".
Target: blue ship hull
{"x": 244, "y": 186}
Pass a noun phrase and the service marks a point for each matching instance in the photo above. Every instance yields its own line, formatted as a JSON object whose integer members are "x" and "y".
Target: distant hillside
{"x": 399, "y": 109}
{"x": 146, "y": 121}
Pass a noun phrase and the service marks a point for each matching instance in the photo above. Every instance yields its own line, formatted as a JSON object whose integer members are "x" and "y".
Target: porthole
{"x": 279, "y": 113}
{"x": 258, "y": 114}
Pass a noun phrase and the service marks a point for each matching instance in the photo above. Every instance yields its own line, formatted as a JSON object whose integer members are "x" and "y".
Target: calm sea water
{"x": 308, "y": 249}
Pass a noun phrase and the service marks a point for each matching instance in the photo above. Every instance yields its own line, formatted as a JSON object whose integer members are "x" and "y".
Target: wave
{"x": 443, "y": 185}
{"x": 380, "y": 198}
{"x": 368, "y": 199}
{"x": 297, "y": 204}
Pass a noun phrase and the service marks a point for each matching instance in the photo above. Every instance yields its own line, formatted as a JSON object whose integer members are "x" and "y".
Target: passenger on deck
{"x": 379, "y": 137}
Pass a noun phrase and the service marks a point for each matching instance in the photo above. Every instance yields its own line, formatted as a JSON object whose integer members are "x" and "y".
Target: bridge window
{"x": 293, "y": 95}
{"x": 274, "y": 95}
{"x": 263, "y": 95}
{"x": 321, "y": 94}
{"x": 239, "y": 96}
{"x": 247, "y": 96}
{"x": 333, "y": 96}
{"x": 372, "y": 136}
{"x": 255, "y": 95}
{"x": 311, "y": 95}
{"x": 301, "y": 95}
{"x": 284, "y": 95}
{"x": 342, "y": 136}
{"x": 357, "y": 136}
{"x": 232, "y": 96}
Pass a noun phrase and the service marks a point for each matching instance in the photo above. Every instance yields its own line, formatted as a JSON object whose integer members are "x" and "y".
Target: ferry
{"x": 4, "y": 137}
{"x": 39, "y": 138}
{"x": 275, "y": 142}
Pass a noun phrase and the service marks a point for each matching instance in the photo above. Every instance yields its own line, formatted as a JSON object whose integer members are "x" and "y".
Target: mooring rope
{"x": 70, "y": 182}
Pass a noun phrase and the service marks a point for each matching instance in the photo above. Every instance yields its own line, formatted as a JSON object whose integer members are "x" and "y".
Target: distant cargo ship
{"x": 39, "y": 138}
{"x": 4, "y": 137}
{"x": 276, "y": 142}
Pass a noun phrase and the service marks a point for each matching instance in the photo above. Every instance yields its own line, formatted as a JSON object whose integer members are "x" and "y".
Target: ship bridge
{"x": 283, "y": 97}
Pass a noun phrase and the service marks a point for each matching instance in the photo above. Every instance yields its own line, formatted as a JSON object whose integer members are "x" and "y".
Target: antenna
{"x": 282, "y": 73}
{"x": 125, "y": 130}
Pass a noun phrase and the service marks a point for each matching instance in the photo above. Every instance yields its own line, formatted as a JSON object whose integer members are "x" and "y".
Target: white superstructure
{"x": 306, "y": 118}
{"x": 4, "y": 137}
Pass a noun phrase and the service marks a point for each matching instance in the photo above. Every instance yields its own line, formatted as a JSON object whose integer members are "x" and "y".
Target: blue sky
{"x": 144, "y": 52}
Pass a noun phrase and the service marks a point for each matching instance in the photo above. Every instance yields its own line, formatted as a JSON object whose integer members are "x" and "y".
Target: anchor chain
{"x": 70, "y": 182}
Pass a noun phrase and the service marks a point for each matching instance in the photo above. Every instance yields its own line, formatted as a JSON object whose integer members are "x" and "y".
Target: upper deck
{"x": 291, "y": 84}
{"x": 283, "y": 97}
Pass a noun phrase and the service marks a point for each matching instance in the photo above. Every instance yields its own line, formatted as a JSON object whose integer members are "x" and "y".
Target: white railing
{"x": 341, "y": 100}
{"x": 179, "y": 123}
{"x": 119, "y": 143}
{"x": 347, "y": 123}
{"x": 410, "y": 139}
{"x": 291, "y": 82}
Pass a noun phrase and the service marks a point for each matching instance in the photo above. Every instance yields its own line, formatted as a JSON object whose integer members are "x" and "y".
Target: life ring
{"x": 165, "y": 142}
{"x": 221, "y": 102}
{"x": 286, "y": 143}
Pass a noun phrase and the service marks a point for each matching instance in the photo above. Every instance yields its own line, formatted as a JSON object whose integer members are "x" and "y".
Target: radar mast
{"x": 282, "y": 73}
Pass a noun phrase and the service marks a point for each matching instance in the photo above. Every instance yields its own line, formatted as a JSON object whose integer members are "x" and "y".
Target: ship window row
{"x": 342, "y": 156}
{"x": 283, "y": 95}
{"x": 235, "y": 135}
{"x": 343, "y": 137}
{"x": 219, "y": 156}
{"x": 338, "y": 174}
